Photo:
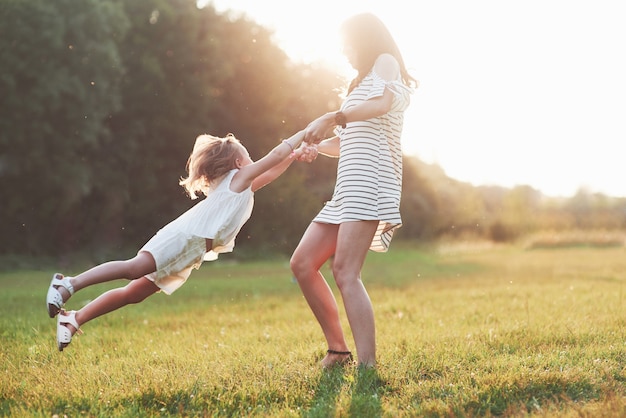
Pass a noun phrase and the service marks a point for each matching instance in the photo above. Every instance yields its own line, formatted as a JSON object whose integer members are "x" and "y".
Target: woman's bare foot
{"x": 336, "y": 358}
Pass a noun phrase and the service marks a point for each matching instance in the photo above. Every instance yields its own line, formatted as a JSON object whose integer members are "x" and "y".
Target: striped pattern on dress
{"x": 369, "y": 171}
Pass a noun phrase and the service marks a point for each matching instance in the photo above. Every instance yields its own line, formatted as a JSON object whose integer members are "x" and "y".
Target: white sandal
{"x": 54, "y": 300}
{"x": 64, "y": 335}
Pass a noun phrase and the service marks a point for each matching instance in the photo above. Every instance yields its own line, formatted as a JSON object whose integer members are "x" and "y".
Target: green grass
{"x": 462, "y": 331}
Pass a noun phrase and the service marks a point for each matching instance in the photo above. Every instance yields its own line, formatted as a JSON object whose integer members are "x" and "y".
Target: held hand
{"x": 316, "y": 130}
{"x": 306, "y": 153}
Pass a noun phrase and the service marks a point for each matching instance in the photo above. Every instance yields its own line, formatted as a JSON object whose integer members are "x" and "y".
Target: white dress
{"x": 369, "y": 171}
{"x": 180, "y": 246}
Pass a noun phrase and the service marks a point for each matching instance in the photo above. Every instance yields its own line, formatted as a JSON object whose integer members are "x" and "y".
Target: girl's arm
{"x": 262, "y": 172}
{"x": 273, "y": 173}
{"x": 387, "y": 68}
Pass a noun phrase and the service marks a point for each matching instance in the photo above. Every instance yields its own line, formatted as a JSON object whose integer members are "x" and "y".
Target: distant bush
{"x": 576, "y": 238}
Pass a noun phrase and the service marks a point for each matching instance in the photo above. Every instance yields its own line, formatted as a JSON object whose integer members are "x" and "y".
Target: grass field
{"x": 462, "y": 331}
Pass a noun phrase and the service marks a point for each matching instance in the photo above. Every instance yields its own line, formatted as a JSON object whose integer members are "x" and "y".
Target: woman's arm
{"x": 329, "y": 147}
{"x": 388, "y": 69}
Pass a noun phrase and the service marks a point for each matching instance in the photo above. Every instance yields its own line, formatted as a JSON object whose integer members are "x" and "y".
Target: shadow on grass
{"x": 364, "y": 388}
{"x": 528, "y": 397}
{"x": 329, "y": 386}
{"x": 366, "y": 393}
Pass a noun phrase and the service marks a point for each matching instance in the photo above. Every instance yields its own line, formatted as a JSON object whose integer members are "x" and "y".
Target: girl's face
{"x": 244, "y": 157}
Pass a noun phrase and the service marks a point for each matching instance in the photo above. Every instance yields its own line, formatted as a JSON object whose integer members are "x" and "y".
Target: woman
{"x": 364, "y": 210}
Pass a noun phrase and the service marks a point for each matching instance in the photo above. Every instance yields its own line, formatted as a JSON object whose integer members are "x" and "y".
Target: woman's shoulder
{"x": 386, "y": 66}
{"x": 386, "y": 59}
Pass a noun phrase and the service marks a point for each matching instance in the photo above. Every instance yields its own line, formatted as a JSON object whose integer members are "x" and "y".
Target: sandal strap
{"x": 341, "y": 353}
{"x": 63, "y": 281}
{"x": 70, "y": 318}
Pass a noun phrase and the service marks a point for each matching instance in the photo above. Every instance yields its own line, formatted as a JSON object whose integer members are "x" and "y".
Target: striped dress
{"x": 369, "y": 171}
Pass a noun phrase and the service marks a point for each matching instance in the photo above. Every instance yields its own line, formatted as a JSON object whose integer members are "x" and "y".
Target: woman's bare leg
{"x": 353, "y": 242}
{"x": 315, "y": 248}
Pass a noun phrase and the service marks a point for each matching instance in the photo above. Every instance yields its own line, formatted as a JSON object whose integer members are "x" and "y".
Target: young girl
{"x": 219, "y": 168}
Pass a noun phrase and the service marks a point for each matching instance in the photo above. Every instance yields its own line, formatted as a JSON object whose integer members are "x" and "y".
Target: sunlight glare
{"x": 527, "y": 93}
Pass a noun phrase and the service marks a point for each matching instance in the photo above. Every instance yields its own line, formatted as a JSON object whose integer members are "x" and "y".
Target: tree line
{"x": 102, "y": 101}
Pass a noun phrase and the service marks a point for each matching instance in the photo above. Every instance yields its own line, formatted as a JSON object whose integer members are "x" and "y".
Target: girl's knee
{"x": 142, "y": 264}
{"x": 131, "y": 296}
{"x": 138, "y": 290}
{"x": 134, "y": 298}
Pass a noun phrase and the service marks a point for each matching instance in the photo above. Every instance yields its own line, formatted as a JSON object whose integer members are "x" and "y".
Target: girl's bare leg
{"x": 137, "y": 290}
{"x": 315, "y": 248}
{"x": 134, "y": 268}
{"x": 134, "y": 292}
{"x": 353, "y": 242}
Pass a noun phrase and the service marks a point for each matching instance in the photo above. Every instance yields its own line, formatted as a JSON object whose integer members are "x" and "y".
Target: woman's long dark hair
{"x": 370, "y": 38}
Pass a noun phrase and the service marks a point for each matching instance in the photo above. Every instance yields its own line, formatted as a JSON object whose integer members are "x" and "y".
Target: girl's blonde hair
{"x": 212, "y": 157}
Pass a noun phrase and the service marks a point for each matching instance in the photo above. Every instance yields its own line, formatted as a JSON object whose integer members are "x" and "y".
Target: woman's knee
{"x": 344, "y": 274}
{"x": 298, "y": 265}
{"x": 303, "y": 266}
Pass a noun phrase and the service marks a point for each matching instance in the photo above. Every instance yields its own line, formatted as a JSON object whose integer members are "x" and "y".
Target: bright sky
{"x": 511, "y": 93}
